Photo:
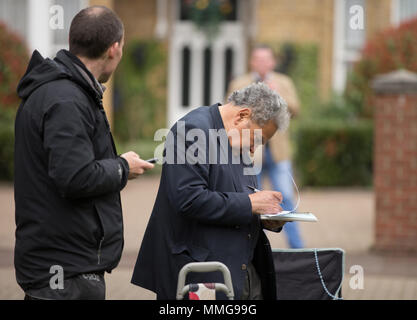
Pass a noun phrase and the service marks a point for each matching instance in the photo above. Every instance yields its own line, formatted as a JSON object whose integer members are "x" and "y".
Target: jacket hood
{"x": 41, "y": 71}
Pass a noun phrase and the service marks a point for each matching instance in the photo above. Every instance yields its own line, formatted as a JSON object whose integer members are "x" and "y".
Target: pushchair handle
{"x": 211, "y": 266}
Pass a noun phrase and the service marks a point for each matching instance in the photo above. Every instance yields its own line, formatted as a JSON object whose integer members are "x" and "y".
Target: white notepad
{"x": 290, "y": 216}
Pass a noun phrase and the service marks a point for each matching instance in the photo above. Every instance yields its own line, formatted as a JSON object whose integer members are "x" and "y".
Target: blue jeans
{"x": 281, "y": 181}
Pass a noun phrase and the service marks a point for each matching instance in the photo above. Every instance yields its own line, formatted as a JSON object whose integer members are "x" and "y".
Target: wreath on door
{"x": 207, "y": 15}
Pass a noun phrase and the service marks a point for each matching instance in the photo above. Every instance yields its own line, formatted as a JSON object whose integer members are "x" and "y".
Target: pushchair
{"x": 301, "y": 274}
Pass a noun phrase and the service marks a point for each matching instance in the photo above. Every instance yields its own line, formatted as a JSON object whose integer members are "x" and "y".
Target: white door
{"x": 199, "y": 70}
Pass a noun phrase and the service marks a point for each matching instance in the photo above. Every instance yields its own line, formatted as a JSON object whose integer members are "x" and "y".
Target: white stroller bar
{"x": 212, "y": 266}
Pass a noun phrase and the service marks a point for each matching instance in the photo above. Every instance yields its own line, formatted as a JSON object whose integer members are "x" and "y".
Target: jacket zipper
{"x": 102, "y": 237}
{"x": 99, "y": 251}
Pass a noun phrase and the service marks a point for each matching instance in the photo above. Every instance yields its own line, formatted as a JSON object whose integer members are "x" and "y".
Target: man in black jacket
{"x": 68, "y": 177}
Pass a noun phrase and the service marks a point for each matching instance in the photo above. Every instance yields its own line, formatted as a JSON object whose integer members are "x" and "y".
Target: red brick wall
{"x": 395, "y": 172}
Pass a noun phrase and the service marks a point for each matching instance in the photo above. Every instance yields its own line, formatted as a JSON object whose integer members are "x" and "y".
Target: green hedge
{"x": 300, "y": 63}
{"x": 334, "y": 152}
{"x": 13, "y": 62}
{"x": 333, "y": 147}
{"x": 6, "y": 143}
{"x": 140, "y": 91}
{"x": 304, "y": 72}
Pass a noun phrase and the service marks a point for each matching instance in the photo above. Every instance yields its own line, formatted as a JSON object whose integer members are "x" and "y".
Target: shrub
{"x": 389, "y": 50}
{"x": 333, "y": 152}
{"x": 300, "y": 63}
{"x": 304, "y": 73}
{"x": 6, "y": 143}
{"x": 332, "y": 146}
{"x": 13, "y": 61}
{"x": 140, "y": 91}
{"x": 337, "y": 107}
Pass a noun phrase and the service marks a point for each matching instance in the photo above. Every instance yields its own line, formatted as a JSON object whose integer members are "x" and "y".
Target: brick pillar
{"x": 395, "y": 161}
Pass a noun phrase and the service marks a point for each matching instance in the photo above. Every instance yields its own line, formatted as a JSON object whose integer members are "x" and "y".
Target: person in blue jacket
{"x": 206, "y": 209}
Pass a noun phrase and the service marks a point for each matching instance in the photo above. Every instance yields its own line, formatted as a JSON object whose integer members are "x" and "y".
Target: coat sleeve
{"x": 187, "y": 187}
{"x": 71, "y": 160}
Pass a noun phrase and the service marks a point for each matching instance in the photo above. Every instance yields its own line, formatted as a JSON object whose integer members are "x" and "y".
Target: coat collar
{"x": 215, "y": 114}
{"x": 80, "y": 73}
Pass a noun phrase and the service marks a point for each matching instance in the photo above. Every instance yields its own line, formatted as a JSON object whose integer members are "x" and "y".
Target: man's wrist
{"x": 253, "y": 206}
{"x": 125, "y": 171}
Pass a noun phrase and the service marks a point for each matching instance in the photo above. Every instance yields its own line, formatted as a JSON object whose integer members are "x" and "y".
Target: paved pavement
{"x": 345, "y": 221}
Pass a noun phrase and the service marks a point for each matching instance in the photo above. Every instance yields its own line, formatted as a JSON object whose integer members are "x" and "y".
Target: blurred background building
{"x": 198, "y": 70}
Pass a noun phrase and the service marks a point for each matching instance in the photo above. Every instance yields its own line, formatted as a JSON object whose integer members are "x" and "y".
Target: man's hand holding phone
{"x": 137, "y": 166}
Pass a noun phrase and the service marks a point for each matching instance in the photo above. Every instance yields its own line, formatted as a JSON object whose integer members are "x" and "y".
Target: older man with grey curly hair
{"x": 265, "y": 103}
{"x": 269, "y": 112}
{"x": 208, "y": 211}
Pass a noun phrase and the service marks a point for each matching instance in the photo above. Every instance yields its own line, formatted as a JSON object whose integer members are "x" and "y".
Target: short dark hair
{"x": 93, "y": 30}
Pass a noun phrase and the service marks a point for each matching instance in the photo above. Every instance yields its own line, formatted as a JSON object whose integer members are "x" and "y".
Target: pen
{"x": 253, "y": 189}
{"x": 257, "y": 190}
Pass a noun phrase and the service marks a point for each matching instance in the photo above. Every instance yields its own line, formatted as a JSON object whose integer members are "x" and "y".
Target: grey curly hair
{"x": 266, "y": 104}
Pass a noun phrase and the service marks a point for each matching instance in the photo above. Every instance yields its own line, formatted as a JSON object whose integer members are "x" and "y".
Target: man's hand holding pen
{"x": 267, "y": 202}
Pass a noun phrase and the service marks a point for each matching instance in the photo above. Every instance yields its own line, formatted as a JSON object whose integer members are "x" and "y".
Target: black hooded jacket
{"x": 68, "y": 176}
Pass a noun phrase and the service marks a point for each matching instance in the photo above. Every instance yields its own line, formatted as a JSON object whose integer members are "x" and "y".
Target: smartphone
{"x": 152, "y": 160}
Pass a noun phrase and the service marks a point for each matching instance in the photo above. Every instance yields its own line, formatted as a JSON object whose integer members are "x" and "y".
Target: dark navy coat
{"x": 202, "y": 213}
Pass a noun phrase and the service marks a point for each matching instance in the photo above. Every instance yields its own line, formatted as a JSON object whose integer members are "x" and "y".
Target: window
{"x": 30, "y": 19}
{"x": 349, "y": 38}
{"x": 228, "y": 67}
{"x": 354, "y": 37}
{"x": 403, "y": 10}
{"x": 207, "y": 76}
{"x": 186, "y": 76}
{"x": 70, "y": 8}
{"x": 14, "y": 15}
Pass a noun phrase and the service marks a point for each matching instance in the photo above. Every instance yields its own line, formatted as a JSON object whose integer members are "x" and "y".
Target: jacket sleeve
{"x": 277, "y": 230}
{"x": 71, "y": 161}
{"x": 187, "y": 186}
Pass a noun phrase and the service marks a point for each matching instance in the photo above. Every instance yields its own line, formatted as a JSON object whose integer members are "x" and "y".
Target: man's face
{"x": 268, "y": 130}
{"x": 248, "y": 129}
{"x": 262, "y": 61}
{"x": 114, "y": 55}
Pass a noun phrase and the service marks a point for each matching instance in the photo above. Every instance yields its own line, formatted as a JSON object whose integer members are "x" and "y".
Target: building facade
{"x": 198, "y": 71}
{"x": 200, "y": 68}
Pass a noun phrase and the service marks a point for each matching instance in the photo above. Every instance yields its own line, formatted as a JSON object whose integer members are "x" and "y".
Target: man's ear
{"x": 243, "y": 114}
{"x": 111, "y": 52}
